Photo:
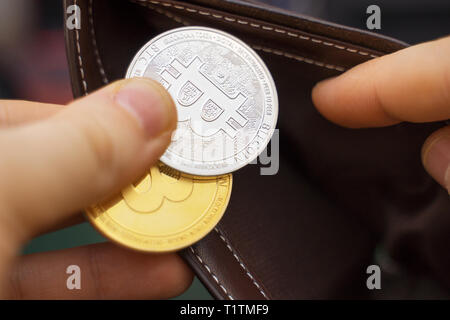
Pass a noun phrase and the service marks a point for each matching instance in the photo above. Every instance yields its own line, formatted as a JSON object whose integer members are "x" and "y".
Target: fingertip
{"x": 176, "y": 277}
{"x": 100, "y": 143}
{"x": 436, "y": 156}
{"x": 106, "y": 271}
{"x": 322, "y": 95}
{"x": 149, "y": 103}
{"x": 329, "y": 100}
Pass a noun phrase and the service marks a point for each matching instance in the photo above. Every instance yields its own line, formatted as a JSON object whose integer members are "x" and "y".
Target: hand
{"x": 410, "y": 85}
{"x": 55, "y": 161}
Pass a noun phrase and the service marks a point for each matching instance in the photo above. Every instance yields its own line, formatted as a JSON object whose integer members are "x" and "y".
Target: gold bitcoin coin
{"x": 165, "y": 211}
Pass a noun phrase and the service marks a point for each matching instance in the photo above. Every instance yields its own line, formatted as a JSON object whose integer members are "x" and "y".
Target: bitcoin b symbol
{"x": 201, "y": 99}
{"x": 151, "y": 192}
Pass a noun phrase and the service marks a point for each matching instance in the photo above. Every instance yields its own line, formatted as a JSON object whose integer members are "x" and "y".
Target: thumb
{"x": 436, "y": 156}
{"x": 92, "y": 148}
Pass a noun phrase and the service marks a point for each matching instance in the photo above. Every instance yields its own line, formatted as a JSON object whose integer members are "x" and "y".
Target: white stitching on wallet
{"x": 179, "y": 20}
{"x": 233, "y": 252}
{"x": 265, "y": 49}
{"x": 80, "y": 60}
{"x": 94, "y": 44}
{"x": 299, "y": 58}
{"x": 169, "y": 15}
{"x": 212, "y": 274}
{"x": 255, "y": 25}
{"x": 221, "y": 236}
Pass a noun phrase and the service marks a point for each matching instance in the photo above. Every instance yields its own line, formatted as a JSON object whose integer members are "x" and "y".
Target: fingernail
{"x": 437, "y": 160}
{"x": 149, "y": 103}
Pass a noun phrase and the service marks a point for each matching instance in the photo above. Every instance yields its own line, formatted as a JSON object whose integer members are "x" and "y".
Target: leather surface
{"x": 309, "y": 231}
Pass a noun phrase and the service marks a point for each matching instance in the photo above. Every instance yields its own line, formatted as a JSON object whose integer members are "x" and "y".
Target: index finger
{"x": 106, "y": 272}
{"x": 411, "y": 85}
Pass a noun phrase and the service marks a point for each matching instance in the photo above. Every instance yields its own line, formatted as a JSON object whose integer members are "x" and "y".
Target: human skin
{"x": 57, "y": 160}
{"x": 410, "y": 85}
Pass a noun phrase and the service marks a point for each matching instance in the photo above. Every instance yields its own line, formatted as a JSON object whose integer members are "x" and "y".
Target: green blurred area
{"x": 84, "y": 234}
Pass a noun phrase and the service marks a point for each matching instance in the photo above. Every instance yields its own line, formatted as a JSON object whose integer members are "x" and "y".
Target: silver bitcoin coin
{"x": 226, "y": 99}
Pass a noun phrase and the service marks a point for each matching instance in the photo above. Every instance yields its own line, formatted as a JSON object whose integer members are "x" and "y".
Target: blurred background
{"x": 33, "y": 63}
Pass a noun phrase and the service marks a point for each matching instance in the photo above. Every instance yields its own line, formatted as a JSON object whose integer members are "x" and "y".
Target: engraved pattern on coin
{"x": 164, "y": 211}
{"x": 225, "y": 96}
{"x": 211, "y": 111}
{"x": 145, "y": 199}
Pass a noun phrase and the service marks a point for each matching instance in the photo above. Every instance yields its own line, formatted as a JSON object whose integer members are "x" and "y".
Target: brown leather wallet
{"x": 309, "y": 231}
